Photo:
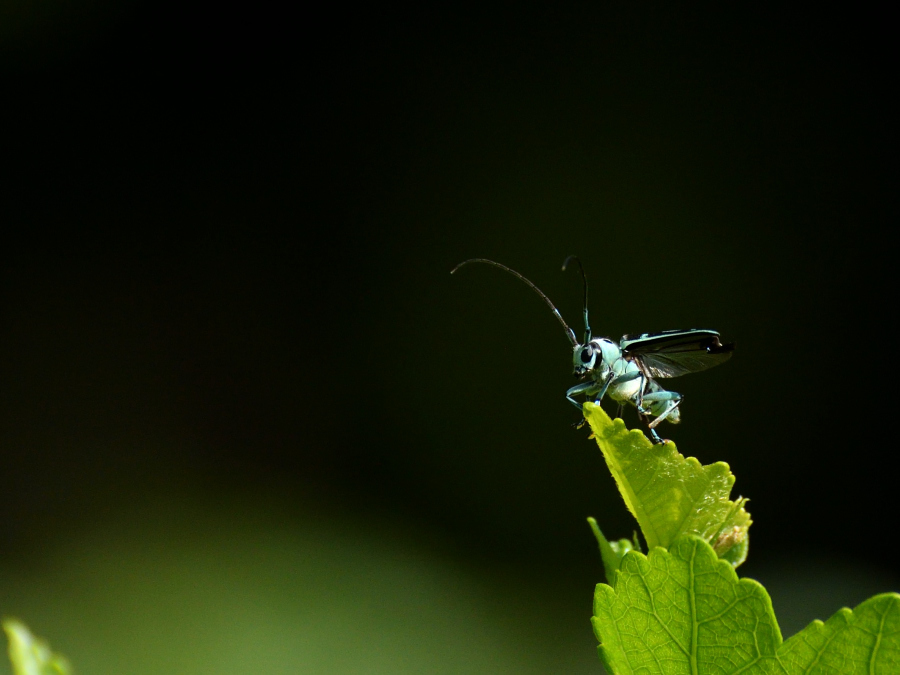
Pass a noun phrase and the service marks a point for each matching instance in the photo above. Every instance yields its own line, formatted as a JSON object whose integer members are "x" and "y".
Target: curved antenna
{"x": 569, "y": 332}
{"x": 587, "y": 326}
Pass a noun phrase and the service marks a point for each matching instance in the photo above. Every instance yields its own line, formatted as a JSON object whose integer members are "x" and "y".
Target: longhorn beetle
{"x": 627, "y": 371}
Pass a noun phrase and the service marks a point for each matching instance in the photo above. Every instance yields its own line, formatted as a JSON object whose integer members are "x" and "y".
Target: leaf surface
{"x": 684, "y": 611}
{"x": 669, "y": 494}
{"x": 865, "y": 640}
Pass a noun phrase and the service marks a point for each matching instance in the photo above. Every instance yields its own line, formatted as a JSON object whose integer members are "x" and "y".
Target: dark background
{"x": 226, "y": 243}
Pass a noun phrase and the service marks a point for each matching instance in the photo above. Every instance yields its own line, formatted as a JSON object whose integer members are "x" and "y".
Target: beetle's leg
{"x": 644, "y": 417}
{"x": 639, "y": 398}
{"x": 672, "y": 397}
{"x": 646, "y": 414}
{"x": 583, "y": 388}
{"x": 618, "y": 379}
{"x": 620, "y": 410}
{"x": 644, "y": 383}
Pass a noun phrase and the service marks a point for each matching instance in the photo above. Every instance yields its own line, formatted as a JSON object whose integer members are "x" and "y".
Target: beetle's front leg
{"x": 583, "y": 388}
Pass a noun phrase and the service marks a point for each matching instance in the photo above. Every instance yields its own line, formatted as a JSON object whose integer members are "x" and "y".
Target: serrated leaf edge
{"x": 616, "y": 429}
{"x": 643, "y": 561}
{"x": 840, "y": 621}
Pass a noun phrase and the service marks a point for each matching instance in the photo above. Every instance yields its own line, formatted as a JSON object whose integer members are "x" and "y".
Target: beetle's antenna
{"x": 569, "y": 332}
{"x": 587, "y": 326}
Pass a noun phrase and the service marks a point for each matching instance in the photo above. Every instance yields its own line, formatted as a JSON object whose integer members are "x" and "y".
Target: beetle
{"x": 627, "y": 370}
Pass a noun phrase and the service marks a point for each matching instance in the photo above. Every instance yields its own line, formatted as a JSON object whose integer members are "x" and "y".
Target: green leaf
{"x": 611, "y": 552}
{"x": 866, "y": 640}
{"x": 29, "y": 655}
{"x": 675, "y": 611}
{"x": 684, "y": 611}
{"x": 671, "y": 495}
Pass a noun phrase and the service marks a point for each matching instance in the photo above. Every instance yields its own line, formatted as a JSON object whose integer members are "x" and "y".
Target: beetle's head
{"x": 584, "y": 358}
{"x": 595, "y": 355}
{"x": 587, "y": 357}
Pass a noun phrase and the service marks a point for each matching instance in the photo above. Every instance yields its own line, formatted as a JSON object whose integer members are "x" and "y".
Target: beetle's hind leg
{"x": 655, "y": 436}
{"x": 672, "y": 399}
{"x": 656, "y": 400}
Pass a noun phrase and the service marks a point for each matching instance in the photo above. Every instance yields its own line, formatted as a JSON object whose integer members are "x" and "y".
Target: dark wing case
{"x": 675, "y": 352}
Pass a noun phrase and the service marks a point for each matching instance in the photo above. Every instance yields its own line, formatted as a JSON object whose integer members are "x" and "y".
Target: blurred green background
{"x": 248, "y": 421}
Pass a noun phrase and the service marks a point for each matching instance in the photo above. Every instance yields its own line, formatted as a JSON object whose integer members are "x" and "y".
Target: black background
{"x": 227, "y": 235}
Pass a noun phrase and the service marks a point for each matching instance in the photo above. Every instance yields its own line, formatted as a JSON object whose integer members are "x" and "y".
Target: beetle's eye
{"x": 587, "y": 354}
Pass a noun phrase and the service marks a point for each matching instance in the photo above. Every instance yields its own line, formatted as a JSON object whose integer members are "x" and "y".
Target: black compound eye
{"x": 587, "y": 354}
